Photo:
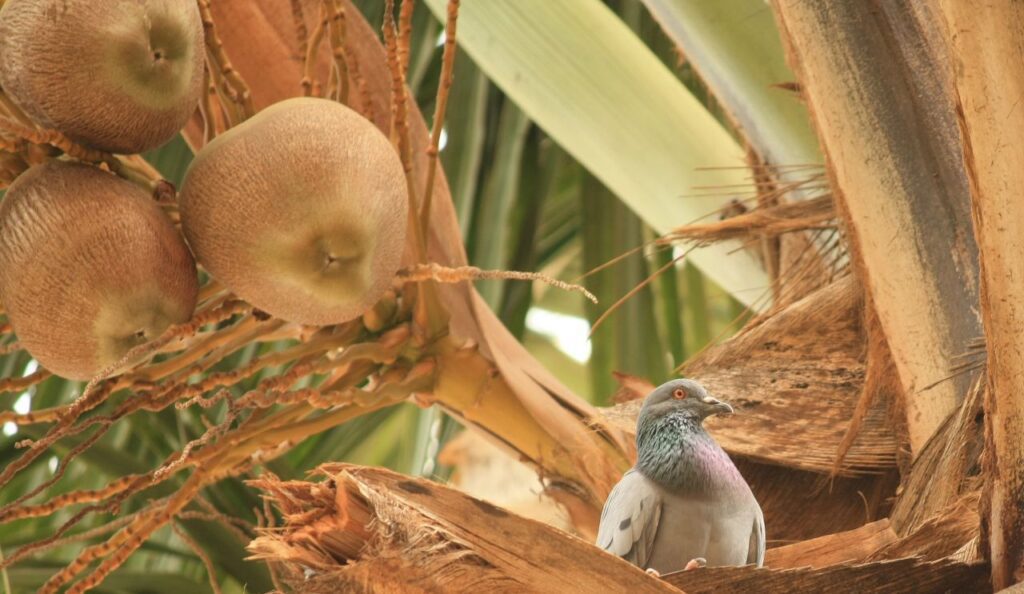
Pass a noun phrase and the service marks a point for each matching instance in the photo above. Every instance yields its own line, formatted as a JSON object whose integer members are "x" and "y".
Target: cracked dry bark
{"x": 374, "y": 530}
{"x": 986, "y": 44}
{"x": 875, "y": 81}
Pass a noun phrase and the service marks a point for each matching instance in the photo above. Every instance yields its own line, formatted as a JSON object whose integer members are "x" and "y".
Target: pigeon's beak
{"x": 717, "y": 406}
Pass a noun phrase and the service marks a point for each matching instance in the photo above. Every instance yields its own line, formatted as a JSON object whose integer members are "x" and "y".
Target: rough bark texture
{"x": 952, "y": 532}
{"x": 841, "y": 547}
{"x": 798, "y": 504}
{"x": 953, "y": 453}
{"x": 872, "y": 73}
{"x": 987, "y": 41}
{"x": 373, "y": 530}
{"x": 794, "y": 379}
{"x": 904, "y": 576}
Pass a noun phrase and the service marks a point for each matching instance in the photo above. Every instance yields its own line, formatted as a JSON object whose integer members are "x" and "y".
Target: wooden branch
{"x": 953, "y": 532}
{"x": 985, "y": 42}
{"x": 373, "y": 530}
{"x": 831, "y": 549}
{"x": 903, "y": 576}
{"x": 874, "y": 76}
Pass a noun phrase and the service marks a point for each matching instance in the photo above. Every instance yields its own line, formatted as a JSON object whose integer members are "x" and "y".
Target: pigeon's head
{"x": 685, "y": 396}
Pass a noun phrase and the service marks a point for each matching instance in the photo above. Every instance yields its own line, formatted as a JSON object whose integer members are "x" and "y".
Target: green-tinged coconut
{"x": 301, "y": 210}
{"x": 117, "y": 75}
{"x": 90, "y": 267}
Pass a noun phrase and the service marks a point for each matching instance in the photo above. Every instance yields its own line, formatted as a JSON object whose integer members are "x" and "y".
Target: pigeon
{"x": 684, "y": 503}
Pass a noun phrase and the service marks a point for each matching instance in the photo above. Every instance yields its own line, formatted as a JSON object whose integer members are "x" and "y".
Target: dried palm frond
{"x": 794, "y": 378}
{"x": 374, "y": 530}
{"x": 902, "y": 576}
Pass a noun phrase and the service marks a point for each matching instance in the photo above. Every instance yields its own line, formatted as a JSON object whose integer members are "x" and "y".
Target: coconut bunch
{"x": 300, "y": 210}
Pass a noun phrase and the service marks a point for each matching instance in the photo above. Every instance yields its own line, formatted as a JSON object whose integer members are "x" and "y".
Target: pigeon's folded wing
{"x": 630, "y": 519}
{"x": 757, "y": 540}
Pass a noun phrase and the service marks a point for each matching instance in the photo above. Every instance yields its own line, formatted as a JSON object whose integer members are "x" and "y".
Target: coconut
{"x": 300, "y": 210}
{"x": 118, "y": 75}
{"x": 90, "y": 267}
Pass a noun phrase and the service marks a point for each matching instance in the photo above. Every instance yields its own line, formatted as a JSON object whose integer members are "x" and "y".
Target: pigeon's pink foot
{"x": 654, "y": 572}
{"x": 695, "y": 564}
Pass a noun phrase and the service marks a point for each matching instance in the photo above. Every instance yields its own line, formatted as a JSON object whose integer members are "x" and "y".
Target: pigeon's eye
{"x": 679, "y": 394}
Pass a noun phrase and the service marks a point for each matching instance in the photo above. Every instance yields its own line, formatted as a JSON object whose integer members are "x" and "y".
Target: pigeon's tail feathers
{"x": 629, "y": 521}
{"x": 758, "y": 540}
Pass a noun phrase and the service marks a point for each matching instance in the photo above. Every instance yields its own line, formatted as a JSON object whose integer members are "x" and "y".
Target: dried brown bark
{"x": 798, "y": 504}
{"x": 373, "y": 530}
{"x": 903, "y": 576}
{"x": 953, "y": 454}
{"x": 986, "y": 43}
{"x": 952, "y": 532}
{"x": 841, "y": 547}
{"x": 794, "y": 379}
{"x": 873, "y": 74}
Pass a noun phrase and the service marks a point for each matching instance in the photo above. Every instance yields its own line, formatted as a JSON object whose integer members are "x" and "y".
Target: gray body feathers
{"x": 684, "y": 499}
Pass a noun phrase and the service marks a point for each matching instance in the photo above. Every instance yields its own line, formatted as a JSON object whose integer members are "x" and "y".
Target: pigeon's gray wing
{"x": 757, "y": 539}
{"x": 630, "y": 519}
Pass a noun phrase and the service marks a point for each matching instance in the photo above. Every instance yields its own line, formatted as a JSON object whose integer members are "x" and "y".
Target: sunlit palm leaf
{"x": 584, "y": 77}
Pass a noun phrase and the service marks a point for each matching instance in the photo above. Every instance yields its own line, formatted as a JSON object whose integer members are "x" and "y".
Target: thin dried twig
{"x": 211, "y": 123}
{"x": 769, "y": 221}
{"x": 444, "y": 274}
{"x": 340, "y": 70}
{"x": 211, "y": 571}
{"x": 400, "y": 124}
{"x": 443, "y": 89}
{"x": 310, "y": 84}
{"x": 668, "y": 266}
{"x": 299, "y": 19}
{"x": 58, "y": 140}
{"x": 234, "y": 86}
{"x": 405, "y": 34}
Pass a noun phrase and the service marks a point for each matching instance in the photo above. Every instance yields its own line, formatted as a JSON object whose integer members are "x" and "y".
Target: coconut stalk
{"x": 875, "y": 80}
{"x": 506, "y": 393}
{"x": 405, "y": 345}
{"x": 986, "y": 42}
{"x": 374, "y": 530}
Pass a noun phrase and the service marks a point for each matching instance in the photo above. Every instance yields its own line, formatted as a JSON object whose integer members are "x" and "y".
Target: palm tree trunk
{"x": 987, "y": 47}
{"x": 873, "y": 75}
